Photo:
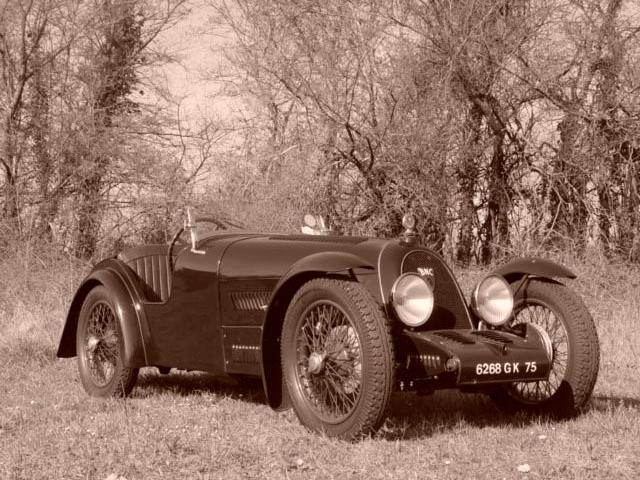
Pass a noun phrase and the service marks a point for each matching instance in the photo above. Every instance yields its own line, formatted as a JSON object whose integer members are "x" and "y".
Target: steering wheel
{"x": 219, "y": 225}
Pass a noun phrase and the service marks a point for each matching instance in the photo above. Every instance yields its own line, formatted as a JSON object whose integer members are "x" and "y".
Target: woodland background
{"x": 506, "y": 126}
{"x": 509, "y": 127}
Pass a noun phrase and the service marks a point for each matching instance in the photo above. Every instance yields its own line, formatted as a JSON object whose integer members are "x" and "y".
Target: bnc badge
{"x": 428, "y": 275}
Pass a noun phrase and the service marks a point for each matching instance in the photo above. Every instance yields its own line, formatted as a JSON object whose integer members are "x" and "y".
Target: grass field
{"x": 192, "y": 425}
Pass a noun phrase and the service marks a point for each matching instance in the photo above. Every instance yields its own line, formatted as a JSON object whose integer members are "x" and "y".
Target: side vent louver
{"x": 258, "y": 300}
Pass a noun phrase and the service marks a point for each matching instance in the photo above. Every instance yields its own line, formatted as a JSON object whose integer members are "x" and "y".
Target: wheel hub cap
{"x": 92, "y": 343}
{"x": 546, "y": 340}
{"x": 316, "y": 362}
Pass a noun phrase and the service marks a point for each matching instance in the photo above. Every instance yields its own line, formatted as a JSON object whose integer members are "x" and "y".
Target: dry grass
{"x": 191, "y": 425}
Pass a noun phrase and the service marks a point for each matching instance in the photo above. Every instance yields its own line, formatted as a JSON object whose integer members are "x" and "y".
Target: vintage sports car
{"x": 332, "y": 324}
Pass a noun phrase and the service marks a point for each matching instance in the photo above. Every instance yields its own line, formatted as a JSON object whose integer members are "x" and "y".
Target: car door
{"x": 186, "y": 330}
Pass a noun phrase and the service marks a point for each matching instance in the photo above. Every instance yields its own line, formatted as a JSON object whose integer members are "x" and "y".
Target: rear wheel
{"x": 337, "y": 358}
{"x": 99, "y": 345}
{"x": 574, "y": 368}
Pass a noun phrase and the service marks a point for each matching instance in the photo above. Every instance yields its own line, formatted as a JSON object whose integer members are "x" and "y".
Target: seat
{"x": 151, "y": 265}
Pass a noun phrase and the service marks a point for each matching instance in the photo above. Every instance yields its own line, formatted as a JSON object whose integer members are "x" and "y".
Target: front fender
{"x": 315, "y": 265}
{"x": 111, "y": 274}
{"x": 539, "y": 267}
{"x": 326, "y": 263}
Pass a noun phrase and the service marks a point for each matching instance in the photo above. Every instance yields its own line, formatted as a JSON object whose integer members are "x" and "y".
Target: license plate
{"x": 505, "y": 368}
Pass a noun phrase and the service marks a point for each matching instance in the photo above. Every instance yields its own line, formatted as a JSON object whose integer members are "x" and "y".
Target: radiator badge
{"x": 428, "y": 275}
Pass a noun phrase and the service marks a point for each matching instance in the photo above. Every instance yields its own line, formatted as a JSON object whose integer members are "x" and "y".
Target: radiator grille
{"x": 450, "y": 309}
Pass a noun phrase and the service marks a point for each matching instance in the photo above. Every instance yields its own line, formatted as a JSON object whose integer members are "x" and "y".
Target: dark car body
{"x": 222, "y": 307}
{"x": 326, "y": 322}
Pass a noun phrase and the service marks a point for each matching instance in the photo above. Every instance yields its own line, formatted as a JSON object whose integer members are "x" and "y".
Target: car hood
{"x": 272, "y": 255}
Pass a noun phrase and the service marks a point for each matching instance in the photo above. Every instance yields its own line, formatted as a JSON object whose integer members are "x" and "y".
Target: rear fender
{"x": 317, "y": 265}
{"x": 126, "y": 298}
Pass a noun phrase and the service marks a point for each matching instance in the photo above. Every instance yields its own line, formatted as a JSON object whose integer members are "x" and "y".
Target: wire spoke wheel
{"x": 337, "y": 358}
{"x": 540, "y": 314}
{"x": 329, "y": 361}
{"x": 558, "y": 311}
{"x": 99, "y": 345}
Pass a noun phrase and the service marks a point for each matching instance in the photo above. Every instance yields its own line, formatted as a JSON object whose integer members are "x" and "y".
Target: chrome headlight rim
{"x": 395, "y": 300}
{"x": 478, "y": 305}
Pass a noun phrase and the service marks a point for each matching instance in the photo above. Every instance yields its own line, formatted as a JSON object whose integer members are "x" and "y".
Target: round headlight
{"x": 492, "y": 300}
{"x": 412, "y": 298}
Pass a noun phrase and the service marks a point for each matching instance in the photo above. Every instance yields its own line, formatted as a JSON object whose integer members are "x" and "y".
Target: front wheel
{"x": 574, "y": 367}
{"x": 337, "y": 358}
{"x": 99, "y": 346}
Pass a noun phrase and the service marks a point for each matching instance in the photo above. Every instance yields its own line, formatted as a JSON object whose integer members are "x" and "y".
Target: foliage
{"x": 504, "y": 125}
{"x": 79, "y": 138}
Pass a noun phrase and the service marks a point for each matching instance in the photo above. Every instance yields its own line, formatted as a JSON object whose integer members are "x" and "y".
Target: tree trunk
{"x": 89, "y": 216}
{"x": 39, "y": 132}
{"x": 567, "y": 197}
{"x": 115, "y": 75}
{"x": 467, "y": 174}
{"x": 11, "y": 208}
{"x": 496, "y": 225}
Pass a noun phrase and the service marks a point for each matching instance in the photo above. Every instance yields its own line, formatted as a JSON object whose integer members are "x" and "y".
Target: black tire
{"x": 576, "y": 352}
{"x": 337, "y": 358}
{"x": 99, "y": 346}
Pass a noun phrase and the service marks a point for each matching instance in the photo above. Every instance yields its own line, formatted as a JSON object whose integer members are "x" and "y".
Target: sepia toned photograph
{"x": 302, "y": 239}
